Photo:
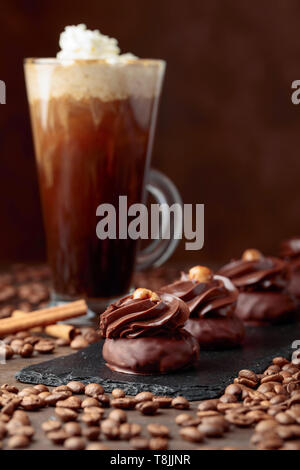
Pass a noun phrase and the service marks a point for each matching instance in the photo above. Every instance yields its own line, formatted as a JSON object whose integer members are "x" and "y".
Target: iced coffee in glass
{"x": 93, "y": 114}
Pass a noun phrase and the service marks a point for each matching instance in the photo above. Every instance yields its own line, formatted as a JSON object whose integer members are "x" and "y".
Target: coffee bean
{"x": 28, "y": 391}
{"x": 58, "y": 437}
{"x": 129, "y": 430}
{"x": 75, "y": 443}
{"x": 158, "y": 443}
{"x": 88, "y": 402}
{"x": 65, "y": 414}
{"x": 280, "y": 361}
{"x": 191, "y": 434}
{"x": 79, "y": 342}
{"x": 62, "y": 388}
{"x": 216, "y": 421}
{"x": 240, "y": 420}
{"x": 44, "y": 347}
{"x": 96, "y": 446}
{"x": 74, "y": 403}
{"x": 271, "y": 378}
{"x": 158, "y": 430}
{"x": 180, "y": 403}
{"x": 76, "y": 387}
{"x": 91, "y": 433}
{"x": 144, "y": 396}
{"x": 163, "y": 402}
{"x": 118, "y": 415}
{"x": 16, "y": 345}
{"x": 248, "y": 374}
{"x": 32, "y": 402}
{"x": 52, "y": 399}
{"x": 27, "y": 431}
{"x": 41, "y": 388}
{"x": 266, "y": 425}
{"x": 228, "y": 399}
{"x": 285, "y": 418}
{"x": 104, "y": 400}
{"x": 247, "y": 382}
{"x": 118, "y": 393}
{"x": 139, "y": 443}
{"x": 51, "y": 425}
{"x": 208, "y": 405}
{"x": 91, "y": 418}
{"x": 148, "y": 407}
{"x": 18, "y": 442}
{"x": 124, "y": 403}
{"x": 270, "y": 443}
{"x": 61, "y": 342}
{"x": 72, "y": 428}
{"x": 110, "y": 429}
{"x": 9, "y": 388}
{"x": 211, "y": 430}
{"x": 233, "y": 389}
{"x": 93, "y": 390}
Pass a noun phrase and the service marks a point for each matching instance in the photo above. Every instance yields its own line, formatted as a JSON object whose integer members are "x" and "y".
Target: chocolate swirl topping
{"x": 216, "y": 297}
{"x": 132, "y": 318}
{"x": 263, "y": 273}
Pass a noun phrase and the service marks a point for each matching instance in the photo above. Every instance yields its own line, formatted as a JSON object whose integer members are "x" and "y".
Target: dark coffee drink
{"x": 93, "y": 126}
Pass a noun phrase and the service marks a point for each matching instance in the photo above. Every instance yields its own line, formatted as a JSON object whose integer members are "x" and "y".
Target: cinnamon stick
{"x": 43, "y": 317}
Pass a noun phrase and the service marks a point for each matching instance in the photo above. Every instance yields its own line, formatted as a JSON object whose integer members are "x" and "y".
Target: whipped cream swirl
{"x": 78, "y": 42}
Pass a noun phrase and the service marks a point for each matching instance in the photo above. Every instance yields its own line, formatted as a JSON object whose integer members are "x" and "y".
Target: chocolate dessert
{"x": 144, "y": 334}
{"x": 263, "y": 285}
{"x": 211, "y": 300}
{"x": 290, "y": 252}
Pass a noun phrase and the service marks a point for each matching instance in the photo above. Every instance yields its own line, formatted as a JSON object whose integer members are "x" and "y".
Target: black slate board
{"x": 214, "y": 371}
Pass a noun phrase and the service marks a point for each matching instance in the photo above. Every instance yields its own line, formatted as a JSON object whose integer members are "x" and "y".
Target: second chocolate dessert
{"x": 290, "y": 251}
{"x": 211, "y": 300}
{"x": 144, "y": 334}
{"x": 262, "y": 282}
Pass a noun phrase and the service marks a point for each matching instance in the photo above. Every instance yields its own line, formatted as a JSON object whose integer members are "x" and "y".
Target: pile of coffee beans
{"x": 28, "y": 344}
{"x": 85, "y": 417}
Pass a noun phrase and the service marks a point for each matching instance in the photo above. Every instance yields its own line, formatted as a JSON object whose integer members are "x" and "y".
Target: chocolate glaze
{"x": 132, "y": 318}
{"x": 264, "y": 273}
{"x": 151, "y": 355}
{"x": 211, "y": 306}
{"x": 216, "y": 333}
{"x": 263, "y": 286}
{"x": 263, "y": 307}
{"x": 290, "y": 251}
{"x": 214, "y": 298}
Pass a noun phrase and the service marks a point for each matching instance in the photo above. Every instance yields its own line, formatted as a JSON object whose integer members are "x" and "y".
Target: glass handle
{"x": 167, "y": 232}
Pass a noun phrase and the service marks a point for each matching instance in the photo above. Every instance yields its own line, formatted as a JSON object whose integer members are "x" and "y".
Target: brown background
{"x": 228, "y": 134}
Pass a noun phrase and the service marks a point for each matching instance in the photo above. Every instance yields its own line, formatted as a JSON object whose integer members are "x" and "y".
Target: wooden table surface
{"x": 238, "y": 438}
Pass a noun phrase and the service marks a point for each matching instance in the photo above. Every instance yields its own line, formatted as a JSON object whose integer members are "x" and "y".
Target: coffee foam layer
{"x": 84, "y": 79}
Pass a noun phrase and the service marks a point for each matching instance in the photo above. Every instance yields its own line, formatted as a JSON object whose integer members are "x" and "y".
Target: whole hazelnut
{"x": 142, "y": 294}
{"x": 200, "y": 274}
{"x": 251, "y": 255}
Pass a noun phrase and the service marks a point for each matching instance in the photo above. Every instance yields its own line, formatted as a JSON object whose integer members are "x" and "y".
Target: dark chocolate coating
{"x": 151, "y": 355}
{"x": 264, "y": 296}
{"x": 290, "y": 251}
{"x": 265, "y": 307}
{"x": 216, "y": 332}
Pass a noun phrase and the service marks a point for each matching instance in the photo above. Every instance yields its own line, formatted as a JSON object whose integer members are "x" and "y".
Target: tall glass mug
{"x": 93, "y": 126}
